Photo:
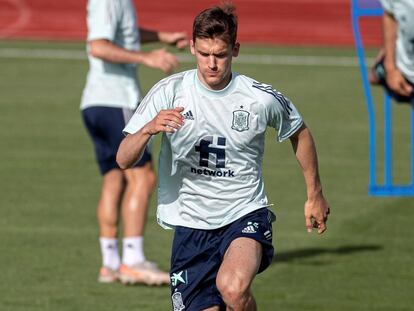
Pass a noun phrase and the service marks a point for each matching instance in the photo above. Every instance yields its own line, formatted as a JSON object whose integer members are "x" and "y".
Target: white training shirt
{"x": 210, "y": 170}
{"x": 111, "y": 84}
{"x": 403, "y": 12}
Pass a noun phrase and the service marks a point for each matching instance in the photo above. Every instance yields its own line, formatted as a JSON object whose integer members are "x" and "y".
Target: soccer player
{"x": 394, "y": 68}
{"x": 213, "y": 123}
{"x": 109, "y": 99}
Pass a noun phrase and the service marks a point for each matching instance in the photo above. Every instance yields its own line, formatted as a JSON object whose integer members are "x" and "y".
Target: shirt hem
{"x": 179, "y": 222}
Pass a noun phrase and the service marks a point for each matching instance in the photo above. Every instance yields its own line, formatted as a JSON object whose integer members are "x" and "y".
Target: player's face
{"x": 214, "y": 58}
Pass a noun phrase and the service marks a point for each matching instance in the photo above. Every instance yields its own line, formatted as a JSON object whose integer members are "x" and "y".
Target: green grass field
{"x": 49, "y": 185}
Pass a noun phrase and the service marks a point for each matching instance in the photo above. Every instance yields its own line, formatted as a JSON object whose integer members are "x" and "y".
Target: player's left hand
{"x": 316, "y": 213}
{"x": 398, "y": 83}
{"x": 178, "y": 39}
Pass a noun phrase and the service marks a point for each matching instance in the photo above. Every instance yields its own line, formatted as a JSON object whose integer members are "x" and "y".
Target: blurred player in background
{"x": 394, "y": 68}
{"x": 211, "y": 187}
{"x": 109, "y": 99}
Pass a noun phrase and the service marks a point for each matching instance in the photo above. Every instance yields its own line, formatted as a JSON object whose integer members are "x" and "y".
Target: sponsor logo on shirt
{"x": 208, "y": 172}
{"x": 206, "y": 147}
{"x": 214, "y": 146}
{"x": 188, "y": 115}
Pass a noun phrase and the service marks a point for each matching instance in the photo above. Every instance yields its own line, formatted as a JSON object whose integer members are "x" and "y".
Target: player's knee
{"x": 233, "y": 289}
{"x": 108, "y": 222}
{"x": 112, "y": 182}
{"x": 143, "y": 177}
{"x": 107, "y": 218}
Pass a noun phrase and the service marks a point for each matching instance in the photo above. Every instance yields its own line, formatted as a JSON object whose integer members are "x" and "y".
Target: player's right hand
{"x": 168, "y": 121}
{"x": 161, "y": 59}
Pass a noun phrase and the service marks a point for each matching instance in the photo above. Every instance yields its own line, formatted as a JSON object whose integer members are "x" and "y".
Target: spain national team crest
{"x": 240, "y": 120}
{"x": 177, "y": 301}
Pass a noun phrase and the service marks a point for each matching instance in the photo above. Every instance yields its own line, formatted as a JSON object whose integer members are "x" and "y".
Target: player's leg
{"x": 246, "y": 250}
{"x": 195, "y": 260}
{"x": 103, "y": 125}
{"x": 107, "y": 211}
{"x": 107, "y": 214}
{"x": 240, "y": 265}
{"x": 140, "y": 185}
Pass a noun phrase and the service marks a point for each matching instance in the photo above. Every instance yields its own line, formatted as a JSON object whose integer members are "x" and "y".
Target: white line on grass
{"x": 259, "y": 59}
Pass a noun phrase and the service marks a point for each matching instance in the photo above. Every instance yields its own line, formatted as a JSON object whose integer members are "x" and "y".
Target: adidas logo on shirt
{"x": 188, "y": 115}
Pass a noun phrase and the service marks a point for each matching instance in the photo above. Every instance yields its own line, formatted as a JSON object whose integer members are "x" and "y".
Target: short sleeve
{"x": 283, "y": 116}
{"x": 155, "y": 101}
{"x": 103, "y": 17}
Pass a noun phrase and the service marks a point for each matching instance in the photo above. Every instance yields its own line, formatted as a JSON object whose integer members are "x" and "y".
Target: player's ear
{"x": 236, "y": 49}
{"x": 192, "y": 47}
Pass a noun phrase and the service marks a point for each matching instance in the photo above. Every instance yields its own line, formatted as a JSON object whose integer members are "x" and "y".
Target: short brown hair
{"x": 217, "y": 22}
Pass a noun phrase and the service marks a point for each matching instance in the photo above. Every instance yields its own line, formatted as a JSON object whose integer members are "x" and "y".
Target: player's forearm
{"x": 390, "y": 28}
{"x": 131, "y": 148}
{"x": 110, "y": 52}
{"x": 305, "y": 151}
{"x": 178, "y": 39}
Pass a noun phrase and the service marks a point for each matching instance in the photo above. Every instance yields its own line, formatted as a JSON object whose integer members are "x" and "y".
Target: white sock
{"x": 133, "y": 250}
{"x": 110, "y": 254}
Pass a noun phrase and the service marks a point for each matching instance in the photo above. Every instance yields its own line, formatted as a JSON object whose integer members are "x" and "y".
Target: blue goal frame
{"x": 370, "y": 8}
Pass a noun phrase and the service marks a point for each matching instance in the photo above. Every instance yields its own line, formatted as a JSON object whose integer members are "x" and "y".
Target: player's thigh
{"x": 113, "y": 182}
{"x": 195, "y": 260}
{"x": 240, "y": 264}
{"x": 246, "y": 249}
{"x": 143, "y": 176}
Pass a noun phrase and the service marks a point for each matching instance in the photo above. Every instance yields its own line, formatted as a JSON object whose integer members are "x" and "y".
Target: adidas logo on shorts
{"x": 268, "y": 235}
{"x": 188, "y": 115}
{"x": 251, "y": 227}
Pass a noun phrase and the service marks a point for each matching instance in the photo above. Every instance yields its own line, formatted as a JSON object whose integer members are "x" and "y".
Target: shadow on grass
{"x": 313, "y": 252}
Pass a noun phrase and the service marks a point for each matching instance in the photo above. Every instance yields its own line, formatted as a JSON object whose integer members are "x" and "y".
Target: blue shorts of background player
{"x": 197, "y": 256}
{"x": 105, "y": 125}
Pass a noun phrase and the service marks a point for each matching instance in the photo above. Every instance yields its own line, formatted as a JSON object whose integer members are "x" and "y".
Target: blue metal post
{"x": 362, "y": 8}
{"x": 356, "y": 13}
{"x": 387, "y": 142}
{"x": 412, "y": 147}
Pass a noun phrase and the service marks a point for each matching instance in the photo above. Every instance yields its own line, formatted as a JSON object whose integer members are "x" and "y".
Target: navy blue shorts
{"x": 105, "y": 125}
{"x": 197, "y": 256}
{"x": 380, "y": 73}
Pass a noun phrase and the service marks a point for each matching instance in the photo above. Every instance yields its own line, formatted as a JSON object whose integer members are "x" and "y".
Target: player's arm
{"x": 177, "y": 39}
{"x": 132, "y": 146}
{"x": 395, "y": 78}
{"x": 110, "y": 52}
{"x": 316, "y": 207}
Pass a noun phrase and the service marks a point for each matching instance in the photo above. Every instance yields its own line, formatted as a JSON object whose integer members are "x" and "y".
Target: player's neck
{"x": 224, "y": 84}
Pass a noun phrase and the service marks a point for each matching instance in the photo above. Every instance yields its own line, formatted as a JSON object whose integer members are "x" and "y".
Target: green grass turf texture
{"x": 50, "y": 184}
